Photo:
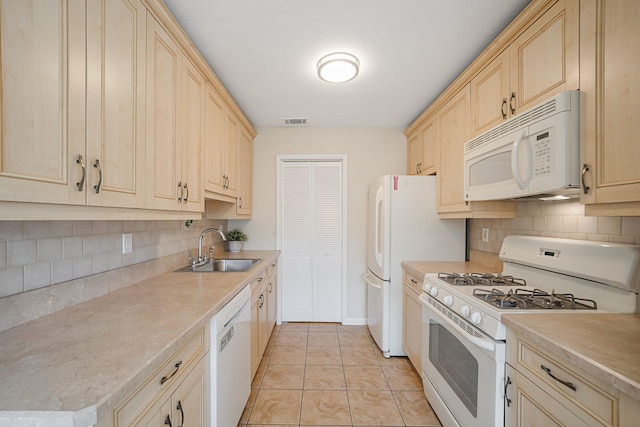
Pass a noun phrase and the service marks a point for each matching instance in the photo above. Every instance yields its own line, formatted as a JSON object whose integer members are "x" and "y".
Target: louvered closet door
{"x": 311, "y": 241}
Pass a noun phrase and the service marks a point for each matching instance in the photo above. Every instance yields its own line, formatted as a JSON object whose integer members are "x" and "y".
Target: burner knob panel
{"x": 448, "y": 300}
{"x": 476, "y": 318}
{"x": 465, "y": 310}
{"x": 434, "y": 291}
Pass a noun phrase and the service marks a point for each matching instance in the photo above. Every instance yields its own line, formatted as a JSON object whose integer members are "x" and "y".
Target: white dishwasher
{"x": 231, "y": 361}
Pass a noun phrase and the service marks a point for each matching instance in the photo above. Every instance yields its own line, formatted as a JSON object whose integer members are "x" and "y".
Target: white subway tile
{"x": 140, "y": 254}
{"x": 101, "y": 263}
{"x": 49, "y": 249}
{"x": 115, "y": 260}
{"x": 100, "y": 227}
{"x": 109, "y": 242}
{"x": 629, "y": 240}
{"x": 568, "y": 207}
{"x": 36, "y": 229}
{"x": 611, "y": 225}
{"x": 11, "y": 281}
{"x": 554, "y": 224}
{"x": 115, "y": 226}
{"x": 91, "y": 245}
{"x": 128, "y": 259}
{"x": 3, "y": 255}
{"x": 539, "y": 223}
{"x": 61, "y": 228}
{"x": 21, "y": 252}
{"x": 141, "y": 238}
{"x": 569, "y": 223}
{"x": 37, "y": 276}
{"x": 72, "y": 247}
{"x": 588, "y": 224}
{"x": 11, "y": 230}
{"x": 598, "y": 237}
{"x": 631, "y": 226}
{"x": 62, "y": 271}
{"x": 82, "y": 266}
{"x": 82, "y": 228}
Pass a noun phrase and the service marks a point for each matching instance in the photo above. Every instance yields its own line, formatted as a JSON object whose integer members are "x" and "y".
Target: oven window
{"x": 493, "y": 169}
{"x": 456, "y": 365}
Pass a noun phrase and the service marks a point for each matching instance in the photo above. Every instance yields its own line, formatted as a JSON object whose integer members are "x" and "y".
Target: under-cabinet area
{"x": 134, "y": 356}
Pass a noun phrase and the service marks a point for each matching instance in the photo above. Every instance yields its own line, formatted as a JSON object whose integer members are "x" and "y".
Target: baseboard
{"x": 355, "y": 321}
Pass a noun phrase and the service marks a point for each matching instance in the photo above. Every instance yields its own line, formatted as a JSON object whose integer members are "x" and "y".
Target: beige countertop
{"x": 606, "y": 346}
{"x": 74, "y": 365}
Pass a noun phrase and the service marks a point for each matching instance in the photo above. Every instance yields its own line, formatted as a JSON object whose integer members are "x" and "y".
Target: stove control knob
{"x": 465, "y": 310}
{"x": 434, "y": 291}
{"x": 426, "y": 287}
{"x": 448, "y": 300}
{"x": 476, "y": 317}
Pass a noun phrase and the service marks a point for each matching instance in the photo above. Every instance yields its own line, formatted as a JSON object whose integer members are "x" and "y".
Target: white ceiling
{"x": 265, "y": 53}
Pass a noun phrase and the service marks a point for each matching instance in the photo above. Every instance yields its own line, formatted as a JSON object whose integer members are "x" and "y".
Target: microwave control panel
{"x": 542, "y": 154}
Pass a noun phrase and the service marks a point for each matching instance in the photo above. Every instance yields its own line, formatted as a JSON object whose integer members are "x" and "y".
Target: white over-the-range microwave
{"x": 535, "y": 153}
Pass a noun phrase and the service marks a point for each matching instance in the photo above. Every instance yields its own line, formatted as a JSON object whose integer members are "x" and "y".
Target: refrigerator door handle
{"x": 378, "y": 243}
{"x": 370, "y": 283}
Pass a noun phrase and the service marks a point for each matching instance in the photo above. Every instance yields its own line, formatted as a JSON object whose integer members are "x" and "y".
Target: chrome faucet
{"x": 203, "y": 260}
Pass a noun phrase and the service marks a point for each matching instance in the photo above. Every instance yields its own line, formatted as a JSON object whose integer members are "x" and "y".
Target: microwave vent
{"x": 524, "y": 119}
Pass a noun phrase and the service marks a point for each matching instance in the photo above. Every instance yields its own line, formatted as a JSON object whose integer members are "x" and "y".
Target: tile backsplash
{"x": 563, "y": 219}
{"x": 37, "y": 254}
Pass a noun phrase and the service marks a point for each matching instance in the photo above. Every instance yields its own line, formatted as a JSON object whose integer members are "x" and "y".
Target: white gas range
{"x": 464, "y": 346}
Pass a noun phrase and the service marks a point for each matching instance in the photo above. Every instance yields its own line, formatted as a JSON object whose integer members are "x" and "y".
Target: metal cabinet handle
{"x": 168, "y": 377}
{"x": 585, "y": 187}
{"x": 179, "y": 408}
{"x": 240, "y": 201}
{"x": 270, "y": 287}
{"x": 414, "y": 281}
{"x": 566, "y": 383}
{"x": 181, "y": 191}
{"x": 512, "y": 101}
{"x": 261, "y": 300}
{"x": 97, "y": 186}
{"x": 80, "y": 183}
{"x": 184, "y": 186}
{"x": 167, "y": 421}
{"x": 506, "y": 386}
{"x": 503, "y": 108}
{"x": 260, "y": 279}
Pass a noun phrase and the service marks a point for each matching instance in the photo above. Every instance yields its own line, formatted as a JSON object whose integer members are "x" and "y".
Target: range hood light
{"x": 558, "y": 197}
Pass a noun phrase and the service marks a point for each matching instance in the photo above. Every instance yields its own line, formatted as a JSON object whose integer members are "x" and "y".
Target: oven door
{"x": 462, "y": 368}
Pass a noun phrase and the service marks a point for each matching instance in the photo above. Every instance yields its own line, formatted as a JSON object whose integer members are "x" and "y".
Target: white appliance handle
{"x": 370, "y": 283}
{"x": 480, "y": 342}
{"x": 515, "y": 165}
{"x": 377, "y": 249}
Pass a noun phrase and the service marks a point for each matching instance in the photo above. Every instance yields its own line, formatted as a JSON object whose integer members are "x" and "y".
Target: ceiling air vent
{"x": 295, "y": 121}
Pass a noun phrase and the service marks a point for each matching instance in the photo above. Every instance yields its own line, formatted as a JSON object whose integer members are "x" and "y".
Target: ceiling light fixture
{"x": 338, "y": 67}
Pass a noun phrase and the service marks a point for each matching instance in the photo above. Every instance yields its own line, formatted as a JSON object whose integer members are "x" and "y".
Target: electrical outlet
{"x": 485, "y": 234}
{"x": 221, "y": 227}
{"x": 187, "y": 225}
{"x": 127, "y": 243}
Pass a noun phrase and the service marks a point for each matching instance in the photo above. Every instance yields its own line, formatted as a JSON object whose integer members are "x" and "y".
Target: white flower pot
{"x": 234, "y": 246}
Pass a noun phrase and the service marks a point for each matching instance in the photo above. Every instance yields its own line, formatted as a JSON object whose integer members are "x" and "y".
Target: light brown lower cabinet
{"x": 412, "y": 320}
{"x": 263, "y": 313}
{"x": 545, "y": 390}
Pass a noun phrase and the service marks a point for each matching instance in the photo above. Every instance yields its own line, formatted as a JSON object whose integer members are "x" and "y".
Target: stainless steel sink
{"x": 222, "y": 265}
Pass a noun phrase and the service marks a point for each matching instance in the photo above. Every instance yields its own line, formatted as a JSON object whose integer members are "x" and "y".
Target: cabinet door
{"x": 545, "y": 57}
{"x": 164, "y": 182}
{"x": 415, "y": 152}
{"x": 116, "y": 57}
{"x": 271, "y": 305}
{"x": 192, "y": 114}
{"x": 490, "y": 95}
{"x": 157, "y": 415}
{"x": 256, "y": 354}
{"x": 453, "y": 131}
{"x": 231, "y": 154}
{"x": 190, "y": 400}
{"x": 610, "y": 78}
{"x": 215, "y": 121}
{"x": 244, "y": 173}
{"x": 43, "y": 100}
{"x": 412, "y": 326}
{"x": 429, "y": 136}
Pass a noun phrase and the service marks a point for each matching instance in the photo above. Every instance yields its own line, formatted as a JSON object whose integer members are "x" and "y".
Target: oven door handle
{"x": 480, "y": 342}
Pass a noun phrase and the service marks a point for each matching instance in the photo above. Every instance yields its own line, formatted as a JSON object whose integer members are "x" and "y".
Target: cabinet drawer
{"x": 166, "y": 378}
{"x": 258, "y": 283}
{"x": 272, "y": 268}
{"x": 414, "y": 282}
{"x": 585, "y": 393}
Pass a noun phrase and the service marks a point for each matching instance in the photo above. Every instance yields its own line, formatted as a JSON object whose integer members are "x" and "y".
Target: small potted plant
{"x": 235, "y": 239}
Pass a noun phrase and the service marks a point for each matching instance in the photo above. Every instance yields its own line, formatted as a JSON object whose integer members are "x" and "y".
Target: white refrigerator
{"x": 402, "y": 225}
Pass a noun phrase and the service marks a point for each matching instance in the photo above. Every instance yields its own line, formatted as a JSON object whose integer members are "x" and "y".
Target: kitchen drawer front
{"x": 152, "y": 389}
{"x": 414, "y": 282}
{"x": 258, "y": 283}
{"x": 272, "y": 268}
{"x": 591, "y": 397}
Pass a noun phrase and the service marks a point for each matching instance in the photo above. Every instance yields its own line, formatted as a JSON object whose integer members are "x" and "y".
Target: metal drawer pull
{"x": 585, "y": 169}
{"x": 503, "y": 108}
{"x": 97, "y": 186}
{"x": 179, "y": 408}
{"x": 167, "y": 421}
{"x": 168, "y": 377}
{"x": 186, "y": 188}
{"x": 567, "y": 383}
{"x": 414, "y": 281}
{"x": 181, "y": 191}
{"x": 506, "y": 386}
{"x": 511, "y": 101}
{"x": 80, "y": 183}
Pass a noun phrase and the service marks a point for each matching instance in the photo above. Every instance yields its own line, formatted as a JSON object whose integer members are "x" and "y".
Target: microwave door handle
{"x": 480, "y": 342}
{"x": 515, "y": 164}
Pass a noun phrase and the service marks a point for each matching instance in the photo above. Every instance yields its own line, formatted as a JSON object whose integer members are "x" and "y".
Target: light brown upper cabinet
{"x": 175, "y": 125}
{"x": 245, "y": 173}
{"x": 609, "y": 84}
{"x": 60, "y": 59}
{"x": 422, "y": 149}
{"x": 541, "y": 62}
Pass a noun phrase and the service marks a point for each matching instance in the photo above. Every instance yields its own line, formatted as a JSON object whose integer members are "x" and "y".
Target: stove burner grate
{"x": 480, "y": 279}
{"x": 533, "y": 299}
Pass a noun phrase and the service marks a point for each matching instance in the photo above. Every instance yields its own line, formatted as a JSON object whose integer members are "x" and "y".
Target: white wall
{"x": 371, "y": 152}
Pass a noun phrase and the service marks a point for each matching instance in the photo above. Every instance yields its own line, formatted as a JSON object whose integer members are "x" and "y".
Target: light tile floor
{"x": 327, "y": 374}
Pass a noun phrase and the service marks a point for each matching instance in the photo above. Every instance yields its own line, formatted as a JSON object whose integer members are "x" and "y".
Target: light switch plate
{"x": 485, "y": 234}
{"x": 127, "y": 243}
